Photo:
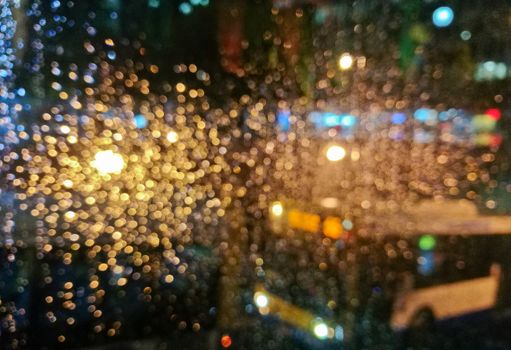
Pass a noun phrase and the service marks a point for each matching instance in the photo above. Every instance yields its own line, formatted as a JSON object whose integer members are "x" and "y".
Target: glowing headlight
{"x": 261, "y": 299}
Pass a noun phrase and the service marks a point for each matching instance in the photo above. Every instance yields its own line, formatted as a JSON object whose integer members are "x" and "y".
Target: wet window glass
{"x": 255, "y": 174}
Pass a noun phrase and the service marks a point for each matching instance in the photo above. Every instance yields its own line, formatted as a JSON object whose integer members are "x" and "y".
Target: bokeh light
{"x": 345, "y": 61}
{"x": 277, "y": 209}
{"x": 261, "y": 299}
{"x": 335, "y": 153}
{"x": 320, "y": 330}
{"x": 427, "y": 242}
{"x": 443, "y": 16}
{"x": 108, "y": 162}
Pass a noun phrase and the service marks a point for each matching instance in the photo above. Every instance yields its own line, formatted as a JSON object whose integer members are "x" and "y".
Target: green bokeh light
{"x": 427, "y": 242}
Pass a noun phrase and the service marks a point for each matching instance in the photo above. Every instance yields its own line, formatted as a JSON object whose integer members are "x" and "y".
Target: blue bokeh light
{"x": 426, "y": 266}
{"x": 140, "y": 121}
{"x": 443, "y": 16}
{"x": 398, "y": 118}
{"x": 426, "y": 115}
{"x": 332, "y": 120}
{"x": 283, "y": 120}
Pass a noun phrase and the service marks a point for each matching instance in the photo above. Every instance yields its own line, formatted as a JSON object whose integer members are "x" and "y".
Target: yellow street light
{"x": 320, "y": 329}
{"x": 277, "y": 208}
{"x": 68, "y": 183}
{"x": 261, "y": 299}
{"x": 172, "y": 136}
{"x": 69, "y": 215}
{"x": 345, "y": 61}
{"x": 108, "y": 162}
{"x": 335, "y": 153}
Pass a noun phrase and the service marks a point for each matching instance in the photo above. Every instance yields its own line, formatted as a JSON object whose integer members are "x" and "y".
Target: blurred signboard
{"x": 304, "y": 221}
{"x": 452, "y": 218}
{"x": 331, "y": 226}
{"x": 490, "y": 225}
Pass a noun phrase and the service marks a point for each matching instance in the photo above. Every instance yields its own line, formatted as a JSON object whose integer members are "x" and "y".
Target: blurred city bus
{"x": 458, "y": 277}
{"x": 445, "y": 301}
{"x": 445, "y": 271}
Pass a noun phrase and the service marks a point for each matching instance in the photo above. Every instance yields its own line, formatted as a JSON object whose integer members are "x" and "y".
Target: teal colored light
{"x": 443, "y": 16}
{"x": 427, "y": 242}
{"x": 140, "y": 121}
{"x": 331, "y": 119}
{"x": 185, "y": 8}
{"x": 348, "y": 120}
{"x": 154, "y": 3}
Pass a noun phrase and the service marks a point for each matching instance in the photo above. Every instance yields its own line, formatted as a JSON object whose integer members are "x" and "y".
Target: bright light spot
{"x": 427, "y": 242}
{"x": 107, "y": 162}
{"x": 398, "y": 118}
{"x": 67, "y": 183}
{"x": 331, "y": 119}
{"x": 330, "y": 202}
{"x": 277, "y": 208}
{"x": 226, "y": 341}
{"x": 172, "y": 136}
{"x": 494, "y": 113}
{"x": 321, "y": 330}
{"x": 443, "y": 16}
{"x": 70, "y": 215}
{"x": 140, "y": 121}
{"x": 261, "y": 299}
{"x": 426, "y": 115}
{"x": 335, "y": 153}
{"x": 348, "y": 120}
{"x": 283, "y": 119}
{"x": 65, "y": 129}
{"x": 345, "y": 61}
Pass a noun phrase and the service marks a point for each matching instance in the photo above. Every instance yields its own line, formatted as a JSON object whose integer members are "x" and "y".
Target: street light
{"x": 335, "y": 153}
{"x": 68, "y": 183}
{"x": 172, "y": 136}
{"x": 320, "y": 330}
{"x": 261, "y": 300}
{"x": 345, "y": 61}
{"x": 108, "y": 162}
{"x": 277, "y": 208}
